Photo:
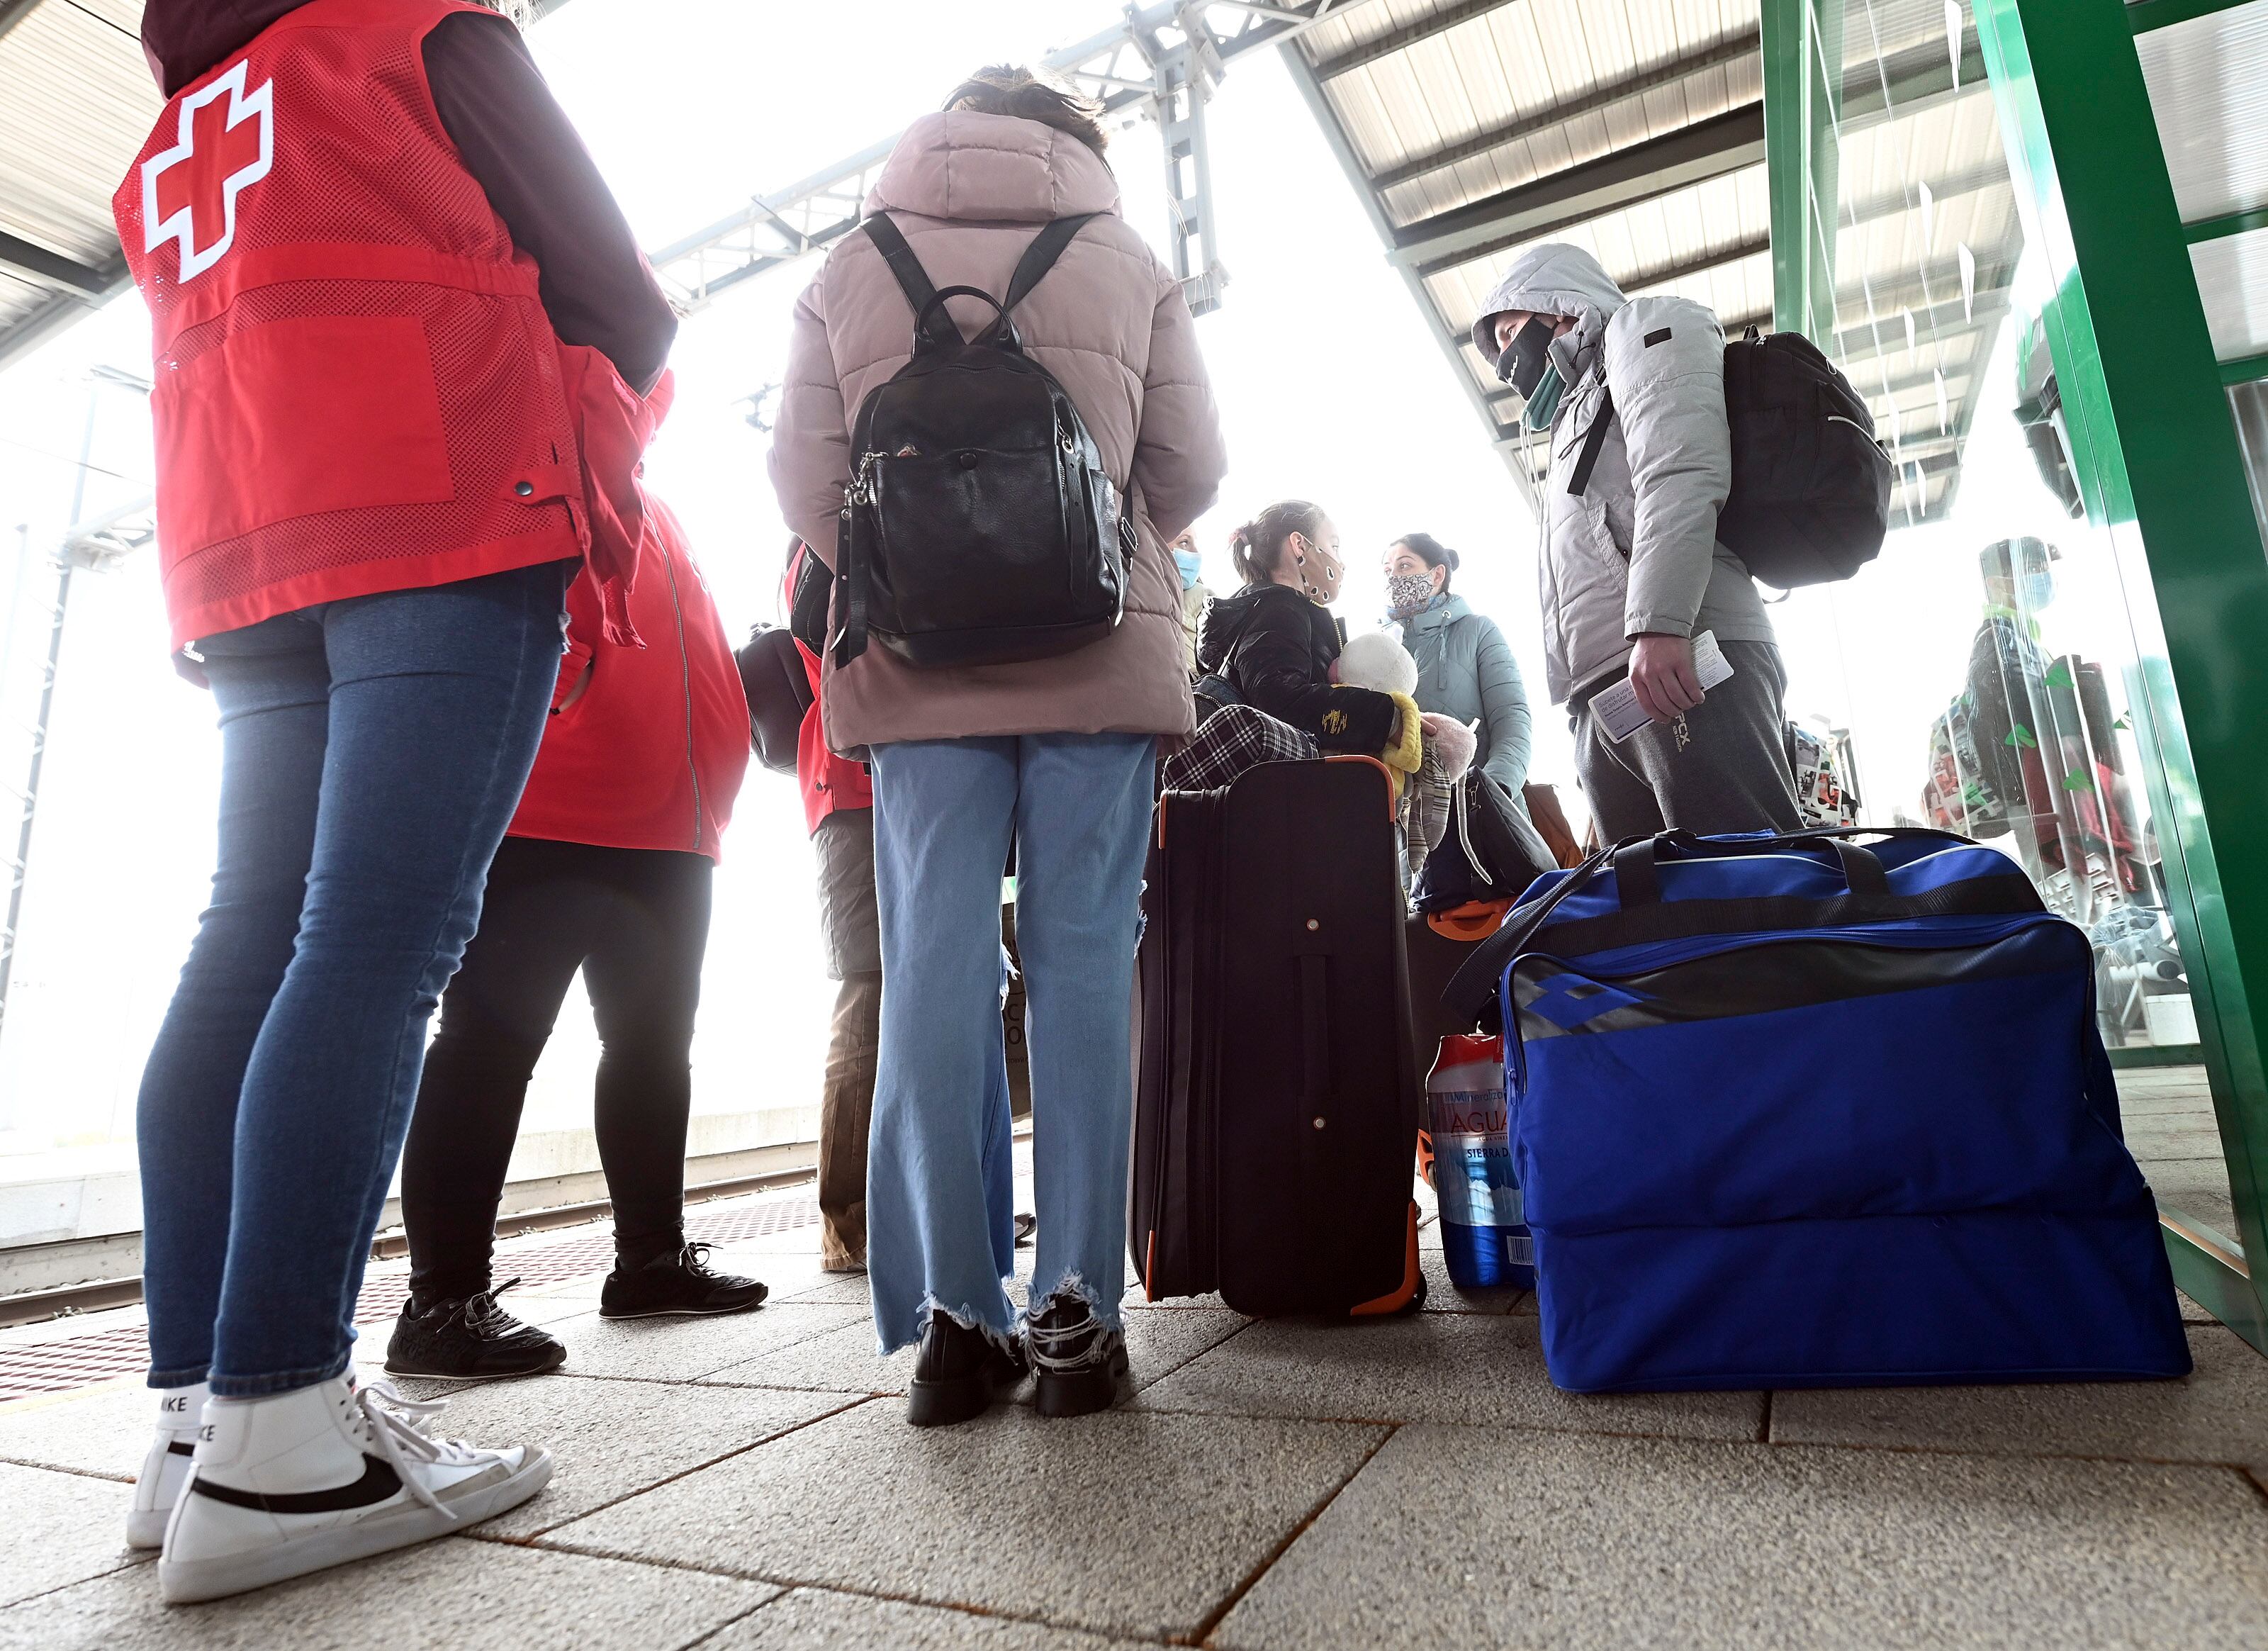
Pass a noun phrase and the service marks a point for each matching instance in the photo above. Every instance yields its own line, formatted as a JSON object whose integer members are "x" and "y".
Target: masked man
{"x": 1631, "y": 394}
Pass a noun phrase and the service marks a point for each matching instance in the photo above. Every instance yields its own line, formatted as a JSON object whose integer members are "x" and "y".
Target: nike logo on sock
{"x": 378, "y": 1482}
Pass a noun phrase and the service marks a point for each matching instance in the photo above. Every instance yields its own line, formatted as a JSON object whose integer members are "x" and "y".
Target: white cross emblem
{"x": 188, "y": 192}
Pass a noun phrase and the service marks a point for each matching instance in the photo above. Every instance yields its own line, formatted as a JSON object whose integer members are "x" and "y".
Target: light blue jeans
{"x": 939, "y": 1192}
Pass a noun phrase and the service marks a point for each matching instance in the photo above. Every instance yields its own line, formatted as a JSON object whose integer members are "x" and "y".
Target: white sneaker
{"x": 159, "y": 1485}
{"x": 308, "y": 1479}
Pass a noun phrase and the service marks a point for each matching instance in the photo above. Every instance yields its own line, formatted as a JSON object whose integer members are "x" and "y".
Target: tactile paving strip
{"x": 77, "y": 1362}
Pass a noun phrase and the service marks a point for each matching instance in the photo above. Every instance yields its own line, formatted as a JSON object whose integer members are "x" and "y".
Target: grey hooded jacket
{"x": 1637, "y": 551}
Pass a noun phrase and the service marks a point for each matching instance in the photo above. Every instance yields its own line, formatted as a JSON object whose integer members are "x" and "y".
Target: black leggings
{"x": 636, "y": 922}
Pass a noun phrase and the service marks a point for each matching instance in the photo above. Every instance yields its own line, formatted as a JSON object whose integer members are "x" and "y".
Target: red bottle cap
{"x": 1461, "y": 1048}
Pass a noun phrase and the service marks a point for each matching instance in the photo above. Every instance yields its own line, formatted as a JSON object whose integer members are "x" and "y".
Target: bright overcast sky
{"x": 1329, "y": 386}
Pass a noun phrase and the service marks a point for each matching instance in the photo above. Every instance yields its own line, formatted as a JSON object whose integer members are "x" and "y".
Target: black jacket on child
{"x": 1275, "y": 647}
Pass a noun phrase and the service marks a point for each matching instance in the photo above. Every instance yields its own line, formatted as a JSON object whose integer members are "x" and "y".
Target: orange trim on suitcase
{"x": 1399, "y": 1298}
{"x": 1384, "y": 773}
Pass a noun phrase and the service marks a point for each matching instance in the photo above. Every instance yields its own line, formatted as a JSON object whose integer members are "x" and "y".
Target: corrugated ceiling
{"x": 76, "y": 102}
{"x": 1476, "y": 129}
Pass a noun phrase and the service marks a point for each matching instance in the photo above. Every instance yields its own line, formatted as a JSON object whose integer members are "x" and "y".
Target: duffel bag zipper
{"x": 1516, "y": 1043}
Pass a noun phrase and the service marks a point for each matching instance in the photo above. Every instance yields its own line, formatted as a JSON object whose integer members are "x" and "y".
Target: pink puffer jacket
{"x": 968, "y": 191}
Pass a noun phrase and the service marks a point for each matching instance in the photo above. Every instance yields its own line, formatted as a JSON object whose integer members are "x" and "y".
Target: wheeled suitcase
{"x": 1797, "y": 1111}
{"x": 1276, "y": 1104}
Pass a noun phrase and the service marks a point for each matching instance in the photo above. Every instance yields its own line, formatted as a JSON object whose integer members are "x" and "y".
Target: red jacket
{"x": 358, "y": 386}
{"x": 829, "y": 782}
{"x": 651, "y": 752}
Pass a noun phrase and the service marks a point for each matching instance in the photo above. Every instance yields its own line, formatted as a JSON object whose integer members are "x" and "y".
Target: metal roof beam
{"x": 1119, "y": 67}
{"x": 1723, "y": 143}
{"x": 35, "y": 262}
{"x": 1913, "y": 81}
{"x": 1603, "y": 97}
{"x": 1386, "y": 45}
{"x": 14, "y": 12}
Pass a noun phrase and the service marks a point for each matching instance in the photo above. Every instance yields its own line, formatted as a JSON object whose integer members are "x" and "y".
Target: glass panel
{"x": 1980, "y": 676}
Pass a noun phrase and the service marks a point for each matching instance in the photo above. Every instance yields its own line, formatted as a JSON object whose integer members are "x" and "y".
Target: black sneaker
{"x": 1077, "y": 1357}
{"x": 471, "y": 1340}
{"x": 676, "y": 1281}
{"x": 958, "y": 1373}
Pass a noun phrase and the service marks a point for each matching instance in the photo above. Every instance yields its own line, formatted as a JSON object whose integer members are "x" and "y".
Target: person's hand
{"x": 1661, "y": 671}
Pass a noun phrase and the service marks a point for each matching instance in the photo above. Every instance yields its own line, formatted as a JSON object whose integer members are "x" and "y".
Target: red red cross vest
{"x": 357, "y": 387}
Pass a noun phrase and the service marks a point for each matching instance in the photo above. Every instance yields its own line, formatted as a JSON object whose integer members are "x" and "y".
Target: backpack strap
{"x": 931, "y": 321}
{"x": 1594, "y": 439}
{"x": 1041, "y": 256}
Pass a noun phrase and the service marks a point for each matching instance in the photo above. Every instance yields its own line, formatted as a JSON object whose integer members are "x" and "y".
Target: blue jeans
{"x": 940, "y": 1200}
{"x": 372, "y": 751}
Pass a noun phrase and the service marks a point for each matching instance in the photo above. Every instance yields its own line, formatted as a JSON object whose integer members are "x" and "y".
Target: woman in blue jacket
{"x": 1465, "y": 669}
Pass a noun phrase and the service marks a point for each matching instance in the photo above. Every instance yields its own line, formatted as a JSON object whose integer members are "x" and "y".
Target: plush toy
{"x": 1436, "y": 751}
{"x": 1376, "y": 660}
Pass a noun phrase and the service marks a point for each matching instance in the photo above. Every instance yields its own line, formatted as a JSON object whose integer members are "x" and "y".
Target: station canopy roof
{"x": 76, "y": 102}
{"x": 1476, "y": 128}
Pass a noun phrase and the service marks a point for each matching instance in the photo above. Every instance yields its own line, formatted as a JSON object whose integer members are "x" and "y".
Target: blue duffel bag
{"x": 1790, "y": 1111}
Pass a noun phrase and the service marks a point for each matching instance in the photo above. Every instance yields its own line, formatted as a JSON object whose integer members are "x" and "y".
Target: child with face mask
{"x": 1194, "y": 593}
{"x": 1274, "y": 641}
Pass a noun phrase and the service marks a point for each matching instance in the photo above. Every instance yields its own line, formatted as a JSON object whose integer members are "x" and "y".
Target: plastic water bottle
{"x": 1483, "y": 1240}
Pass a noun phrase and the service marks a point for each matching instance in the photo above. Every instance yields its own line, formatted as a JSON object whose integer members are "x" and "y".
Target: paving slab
{"x": 1121, "y": 1522}
{"x": 830, "y": 1288}
{"x": 99, "y": 1430}
{"x": 819, "y": 1619}
{"x": 1520, "y": 1539}
{"x": 57, "y": 1528}
{"x": 2217, "y": 1414}
{"x": 450, "y": 1593}
{"x": 1443, "y": 1295}
{"x": 1484, "y": 1371}
{"x": 844, "y": 1360}
{"x": 677, "y": 1349}
{"x": 608, "y": 1439}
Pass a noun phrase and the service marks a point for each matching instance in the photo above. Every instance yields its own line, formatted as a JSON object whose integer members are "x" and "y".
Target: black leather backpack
{"x": 979, "y": 527}
{"x": 1810, "y": 501}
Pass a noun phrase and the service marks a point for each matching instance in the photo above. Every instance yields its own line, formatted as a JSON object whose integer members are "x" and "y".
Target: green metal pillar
{"x": 2160, "y": 464}
{"x": 1803, "y": 96}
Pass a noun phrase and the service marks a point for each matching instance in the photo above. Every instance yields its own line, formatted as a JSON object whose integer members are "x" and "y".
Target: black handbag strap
{"x": 1041, "y": 256}
{"x": 1594, "y": 439}
{"x": 931, "y": 323}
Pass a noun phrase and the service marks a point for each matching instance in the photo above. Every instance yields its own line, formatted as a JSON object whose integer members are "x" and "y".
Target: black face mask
{"x": 1522, "y": 363}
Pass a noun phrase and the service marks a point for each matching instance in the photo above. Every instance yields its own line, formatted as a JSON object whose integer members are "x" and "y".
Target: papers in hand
{"x": 1616, "y": 707}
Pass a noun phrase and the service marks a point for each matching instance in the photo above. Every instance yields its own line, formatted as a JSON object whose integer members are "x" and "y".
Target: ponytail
{"x": 1258, "y": 547}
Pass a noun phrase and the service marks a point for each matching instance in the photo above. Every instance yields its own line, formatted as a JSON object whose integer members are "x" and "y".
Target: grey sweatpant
{"x": 1721, "y": 767}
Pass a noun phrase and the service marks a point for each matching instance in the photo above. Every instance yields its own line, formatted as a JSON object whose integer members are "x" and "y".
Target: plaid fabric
{"x": 1234, "y": 738}
{"x": 1426, "y": 805}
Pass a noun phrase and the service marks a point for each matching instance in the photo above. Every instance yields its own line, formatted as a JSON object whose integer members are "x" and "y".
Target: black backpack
{"x": 1811, "y": 486}
{"x": 979, "y": 527}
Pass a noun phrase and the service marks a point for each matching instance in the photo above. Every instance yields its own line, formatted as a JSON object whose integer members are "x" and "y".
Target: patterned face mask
{"x": 1318, "y": 571}
{"x": 1407, "y": 592}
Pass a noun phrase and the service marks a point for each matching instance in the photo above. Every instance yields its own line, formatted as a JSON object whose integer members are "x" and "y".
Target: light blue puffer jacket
{"x": 1465, "y": 670}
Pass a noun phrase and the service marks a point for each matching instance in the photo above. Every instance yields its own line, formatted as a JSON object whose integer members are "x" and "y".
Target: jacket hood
{"x": 1226, "y": 616}
{"x": 992, "y": 169}
{"x": 184, "y": 38}
{"x": 1553, "y": 279}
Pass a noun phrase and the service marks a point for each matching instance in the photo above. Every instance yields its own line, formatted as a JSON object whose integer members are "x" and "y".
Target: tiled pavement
{"x": 749, "y": 1484}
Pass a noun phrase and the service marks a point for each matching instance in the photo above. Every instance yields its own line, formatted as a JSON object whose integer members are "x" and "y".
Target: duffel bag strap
{"x": 1638, "y": 880}
{"x": 1472, "y": 990}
